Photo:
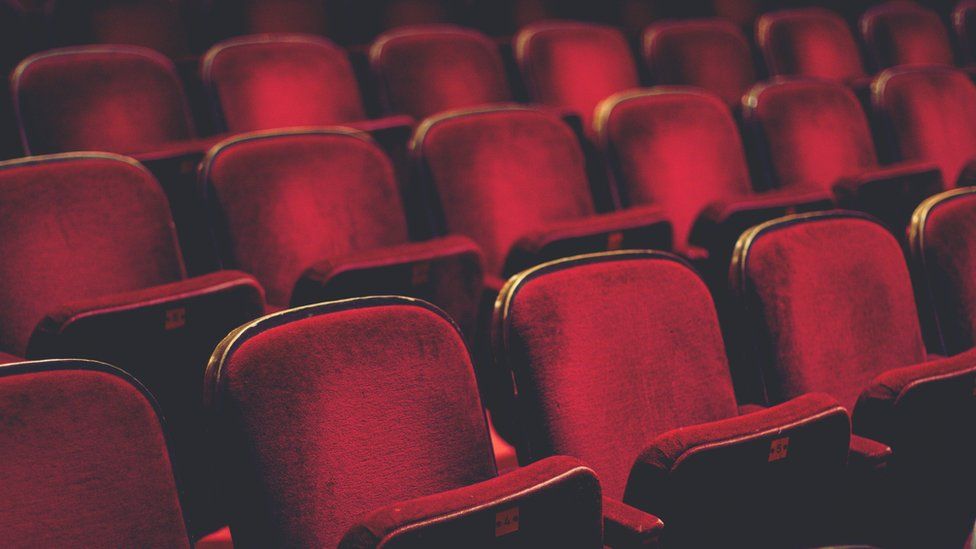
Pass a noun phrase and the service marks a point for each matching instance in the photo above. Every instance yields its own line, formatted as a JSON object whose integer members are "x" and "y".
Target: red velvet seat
{"x": 91, "y": 269}
{"x": 316, "y": 215}
{"x": 358, "y": 423}
{"x": 930, "y": 116}
{"x": 812, "y": 42}
{"x": 574, "y": 66}
{"x": 964, "y": 26}
{"x": 813, "y": 134}
{"x": 85, "y": 460}
{"x": 712, "y": 54}
{"x": 901, "y": 32}
{"x": 618, "y": 359}
{"x": 829, "y": 307}
{"x": 424, "y": 70}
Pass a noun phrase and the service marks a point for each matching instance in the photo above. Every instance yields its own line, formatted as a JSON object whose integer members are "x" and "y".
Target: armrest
{"x": 625, "y": 526}
{"x": 176, "y": 149}
{"x": 867, "y": 454}
{"x": 891, "y": 193}
{"x": 644, "y": 227}
{"x": 555, "y": 502}
{"x": 750, "y": 408}
{"x": 382, "y": 124}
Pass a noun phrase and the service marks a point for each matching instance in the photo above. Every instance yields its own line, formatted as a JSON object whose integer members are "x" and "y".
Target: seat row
{"x": 359, "y": 422}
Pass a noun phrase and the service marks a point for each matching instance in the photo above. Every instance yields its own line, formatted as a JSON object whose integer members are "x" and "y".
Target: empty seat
{"x": 91, "y": 269}
{"x": 618, "y": 359}
{"x": 85, "y": 460}
{"x": 161, "y": 25}
{"x": 964, "y": 25}
{"x": 316, "y": 215}
{"x": 358, "y": 423}
{"x": 812, "y": 42}
{"x": 901, "y": 32}
{"x": 942, "y": 253}
{"x": 425, "y": 70}
{"x": 828, "y": 306}
{"x": 814, "y": 134}
{"x": 574, "y": 66}
{"x": 712, "y": 54}
{"x": 513, "y": 179}
{"x": 930, "y": 115}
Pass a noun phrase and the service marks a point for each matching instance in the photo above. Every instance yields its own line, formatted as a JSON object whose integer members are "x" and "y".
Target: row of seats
{"x": 359, "y": 422}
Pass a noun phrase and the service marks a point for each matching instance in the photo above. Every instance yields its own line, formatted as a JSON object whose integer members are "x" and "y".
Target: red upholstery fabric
{"x": 574, "y": 65}
{"x": 7, "y": 358}
{"x": 931, "y": 116}
{"x": 85, "y": 460}
{"x": 120, "y": 99}
{"x": 285, "y": 201}
{"x": 339, "y": 409}
{"x": 155, "y": 24}
{"x": 275, "y": 81}
{"x": 809, "y": 42}
{"x": 707, "y": 53}
{"x": 833, "y": 302}
{"x": 78, "y": 226}
{"x": 964, "y": 25}
{"x": 287, "y": 16}
{"x": 901, "y": 32}
{"x": 428, "y": 69}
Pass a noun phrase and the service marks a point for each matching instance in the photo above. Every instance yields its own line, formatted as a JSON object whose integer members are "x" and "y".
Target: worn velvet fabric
{"x": 425, "y": 70}
{"x": 712, "y": 54}
{"x": 329, "y": 415}
{"x": 574, "y": 65}
{"x": 930, "y": 113}
{"x": 85, "y": 460}
{"x": 276, "y": 81}
{"x": 902, "y": 32}
{"x": 812, "y": 42}
{"x": 112, "y": 98}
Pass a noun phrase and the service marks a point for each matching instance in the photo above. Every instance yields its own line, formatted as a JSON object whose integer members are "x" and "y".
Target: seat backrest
{"x": 276, "y": 81}
{"x": 574, "y": 65}
{"x": 85, "y": 459}
{"x": 330, "y": 411}
{"x": 901, "y": 32}
{"x": 502, "y": 172}
{"x": 425, "y": 70}
{"x": 942, "y": 247}
{"x": 286, "y": 16}
{"x": 608, "y": 351}
{"x": 829, "y": 301}
{"x": 930, "y": 114}
{"x": 155, "y": 24}
{"x": 812, "y": 42}
{"x": 964, "y": 25}
{"x": 675, "y": 147}
{"x": 712, "y": 54}
{"x": 284, "y": 201}
{"x": 811, "y": 132}
{"x": 78, "y": 226}
{"x": 121, "y": 99}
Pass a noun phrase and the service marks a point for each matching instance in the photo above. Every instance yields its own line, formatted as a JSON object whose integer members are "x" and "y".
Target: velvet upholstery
{"x": 930, "y": 113}
{"x": 85, "y": 460}
{"x": 902, "y": 32}
{"x": 574, "y": 65}
{"x": 503, "y": 174}
{"x": 712, "y": 54}
{"x": 304, "y": 403}
{"x": 620, "y": 355}
{"x": 123, "y": 99}
{"x": 275, "y": 81}
{"x": 812, "y": 42}
{"x": 425, "y": 70}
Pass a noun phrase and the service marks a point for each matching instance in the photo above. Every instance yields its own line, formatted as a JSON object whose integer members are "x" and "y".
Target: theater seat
{"x": 901, "y": 32}
{"x": 618, "y": 359}
{"x": 358, "y": 423}
{"x": 829, "y": 307}
{"x": 276, "y": 16}
{"x": 161, "y": 25}
{"x": 679, "y": 148}
{"x": 811, "y": 42}
{"x": 813, "y": 134}
{"x": 85, "y": 460}
{"x": 930, "y": 115}
{"x": 424, "y": 70}
{"x": 91, "y": 269}
{"x": 712, "y": 54}
{"x": 316, "y": 215}
{"x": 573, "y": 65}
